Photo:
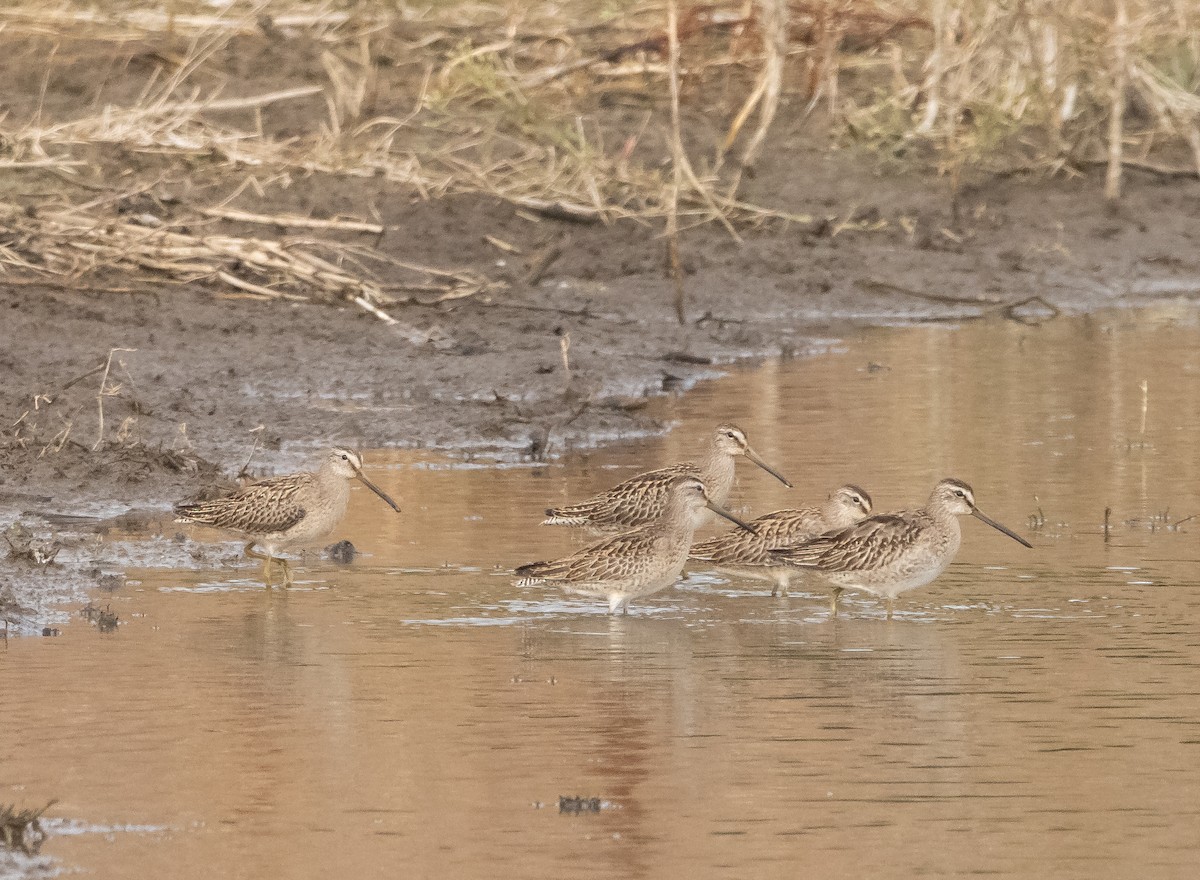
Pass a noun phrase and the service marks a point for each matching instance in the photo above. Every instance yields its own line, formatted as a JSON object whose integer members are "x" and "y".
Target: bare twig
{"x": 104, "y": 391}
{"x": 774, "y": 23}
{"x": 291, "y": 220}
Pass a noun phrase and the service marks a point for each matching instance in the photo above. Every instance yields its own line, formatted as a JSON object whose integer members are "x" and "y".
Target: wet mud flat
{"x": 124, "y": 391}
{"x": 127, "y": 387}
{"x": 197, "y": 387}
{"x": 190, "y": 378}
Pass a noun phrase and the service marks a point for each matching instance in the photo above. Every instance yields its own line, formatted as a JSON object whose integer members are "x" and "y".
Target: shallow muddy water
{"x": 1031, "y": 713}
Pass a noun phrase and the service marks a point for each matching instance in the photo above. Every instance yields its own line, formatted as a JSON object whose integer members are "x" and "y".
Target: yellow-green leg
{"x": 833, "y": 603}
{"x": 891, "y": 606}
{"x": 267, "y": 559}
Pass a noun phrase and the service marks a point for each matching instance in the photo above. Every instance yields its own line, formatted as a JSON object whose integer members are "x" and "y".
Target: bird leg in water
{"x": 833, "y": 602}
{"x": 781, "y": 583}
{"x": 267, "y": 559}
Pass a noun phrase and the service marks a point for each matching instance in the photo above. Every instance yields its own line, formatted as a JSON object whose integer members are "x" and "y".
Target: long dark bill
{"x": 753, "y": 456}
{"x": 384, "y": 495}
{"x": 995, "y": 525}
{"x": 721, "y": 511}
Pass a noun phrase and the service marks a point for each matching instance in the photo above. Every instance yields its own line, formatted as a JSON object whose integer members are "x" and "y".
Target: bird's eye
{"x": 345, "y": 457}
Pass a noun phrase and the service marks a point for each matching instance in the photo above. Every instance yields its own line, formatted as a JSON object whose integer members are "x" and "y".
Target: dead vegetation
{"x": 567, "y": 111}
{"x": 22, "y": 829}
{"x": 91, "y": 426}
{"x": 25, "y": 546}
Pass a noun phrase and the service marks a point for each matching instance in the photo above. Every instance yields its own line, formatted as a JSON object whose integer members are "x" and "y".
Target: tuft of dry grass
{"x": 573, "y": 111}
{"x": 67, "y": 246}
{"x": 22, "y": 829}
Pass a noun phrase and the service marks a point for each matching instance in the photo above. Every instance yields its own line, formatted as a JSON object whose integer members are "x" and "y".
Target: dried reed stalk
{"x": 1116, "y": 113}
{"x": 678, "y": 159}
{"x": 71, "y": 244}
{"x": 769, "y": 87}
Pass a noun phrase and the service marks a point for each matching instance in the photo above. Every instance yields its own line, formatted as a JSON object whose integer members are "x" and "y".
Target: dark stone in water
{"x": 576, "y": 805}
{"x": 343, "y": 552}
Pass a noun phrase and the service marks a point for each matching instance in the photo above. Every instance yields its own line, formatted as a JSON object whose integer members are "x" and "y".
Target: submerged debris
{"x": 24, "y": 546}
{"x": 22, "y": 829}
{"x": 105, "y": 618}
{"x": 577, "y": 805}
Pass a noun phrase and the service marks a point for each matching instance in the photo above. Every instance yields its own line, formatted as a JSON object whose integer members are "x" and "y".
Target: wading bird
{"x": 285, "y": 511}
{"x": 892, "y": 553}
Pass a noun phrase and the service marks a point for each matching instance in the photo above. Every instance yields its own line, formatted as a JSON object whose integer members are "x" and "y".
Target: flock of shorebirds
{"x": 650, "y": 520}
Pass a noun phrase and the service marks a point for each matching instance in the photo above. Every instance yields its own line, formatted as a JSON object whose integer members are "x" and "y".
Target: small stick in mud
{"x": 564, "y": 346}
{"x": 104, "y": 389}
{"x": 244, "y": 473}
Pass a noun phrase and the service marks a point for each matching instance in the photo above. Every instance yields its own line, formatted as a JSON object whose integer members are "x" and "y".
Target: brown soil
{"x": 486, "y": 372}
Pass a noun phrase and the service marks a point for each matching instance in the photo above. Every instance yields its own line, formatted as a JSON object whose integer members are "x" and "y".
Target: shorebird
{"x": 749, "y": 553}
{"x": 891, "y": 553}
{"x": 636, "y": 563}
{"x": 285, "y": 511}
{"x": 642, "y": 499}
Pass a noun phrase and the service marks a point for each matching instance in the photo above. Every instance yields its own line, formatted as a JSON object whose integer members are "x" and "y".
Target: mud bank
{"x": 201, "y": 374}
{"x": 204, "y": 380}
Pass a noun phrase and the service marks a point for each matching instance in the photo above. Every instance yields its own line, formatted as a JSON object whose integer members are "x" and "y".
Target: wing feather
{"x": 620, "y": 556}
{"x": 874, "y": 543}
{"x": 771, "y": 532}
{"x": 262, "y": 508}
{"x": 630, "y": 504}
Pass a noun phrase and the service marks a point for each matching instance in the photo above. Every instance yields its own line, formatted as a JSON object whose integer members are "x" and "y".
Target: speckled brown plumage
{"x": 750, "y": 553}
{"x": 262, "y": 508}
{"x": 636, "y": 563}
{"x": 643, "y": 499}
{"x": 891, "y": 553}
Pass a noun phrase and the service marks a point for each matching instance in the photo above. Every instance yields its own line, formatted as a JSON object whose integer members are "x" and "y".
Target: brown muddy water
{"x": 1032, "y": 713}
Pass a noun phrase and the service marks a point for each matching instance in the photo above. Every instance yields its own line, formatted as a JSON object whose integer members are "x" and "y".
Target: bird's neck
{"x": 717, "y": 472}
{"x": 835, "y": 515}
{"x": 333, "y": 483}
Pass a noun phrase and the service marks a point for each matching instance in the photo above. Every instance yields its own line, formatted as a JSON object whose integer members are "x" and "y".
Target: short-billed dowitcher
{"x": 285, "y": 511}
{"x": 891, "y": 553}
{"x": 636, "y": 563}
{"x": 749, "y": 553}
{"x": 642, "y": 499}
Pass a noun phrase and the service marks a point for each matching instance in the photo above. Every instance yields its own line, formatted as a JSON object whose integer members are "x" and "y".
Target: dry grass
{"x": 572, "y": 111}
{"x": 22, "y": 829}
